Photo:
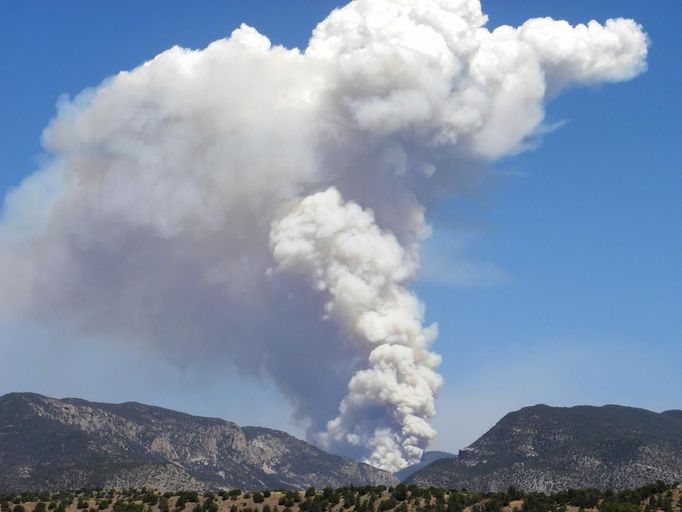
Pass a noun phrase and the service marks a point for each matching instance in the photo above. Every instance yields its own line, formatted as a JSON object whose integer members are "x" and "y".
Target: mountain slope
{"x": 46, "y": 443}
{"x": 544, "y": 448}
{"x": 427, "y": 459}
{"x": 673, "y": 413}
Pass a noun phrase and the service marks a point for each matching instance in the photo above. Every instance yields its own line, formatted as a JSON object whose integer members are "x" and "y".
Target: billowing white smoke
{"x": 361, "y": 270}
{"x": 174, "y": 187}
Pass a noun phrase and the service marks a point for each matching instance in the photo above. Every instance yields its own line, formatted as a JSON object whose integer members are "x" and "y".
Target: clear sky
{"x": 573, "y": 289}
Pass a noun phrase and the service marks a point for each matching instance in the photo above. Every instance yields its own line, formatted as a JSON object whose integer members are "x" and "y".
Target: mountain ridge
{"x": 73, "y": 443}
{"x": 49, "y": 443}
{"x": 544, "y": 448}
{"x": 427, "y": 458}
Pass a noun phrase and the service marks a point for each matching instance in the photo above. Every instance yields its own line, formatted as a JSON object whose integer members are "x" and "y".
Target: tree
{"x": 387, "y": 504}
{"x": 400, "y": 492}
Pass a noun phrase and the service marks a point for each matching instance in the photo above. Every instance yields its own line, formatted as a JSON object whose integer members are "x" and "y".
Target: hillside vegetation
{"x": 657, "y": 497}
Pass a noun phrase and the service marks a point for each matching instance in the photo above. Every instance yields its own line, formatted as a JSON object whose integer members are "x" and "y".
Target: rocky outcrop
{"x": 544, "y": 448}
{"x": 46, "y": 443}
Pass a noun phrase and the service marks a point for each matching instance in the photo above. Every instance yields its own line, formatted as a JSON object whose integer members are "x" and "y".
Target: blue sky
{"x": 582, "y": 235}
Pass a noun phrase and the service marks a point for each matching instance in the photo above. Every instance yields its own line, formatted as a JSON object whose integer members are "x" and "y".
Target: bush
{"x": 258, "y": 497}
{"x": 400, "y": 492}
{"x": 387, "y": 504}
{"x": 616, "y": 506}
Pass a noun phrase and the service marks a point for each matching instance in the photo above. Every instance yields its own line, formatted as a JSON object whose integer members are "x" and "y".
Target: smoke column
{"x": 361, "y": 270}
{"x": 261, "y": 208}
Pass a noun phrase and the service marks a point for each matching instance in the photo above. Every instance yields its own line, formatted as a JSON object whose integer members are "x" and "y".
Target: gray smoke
{"x": 262, "y": 206}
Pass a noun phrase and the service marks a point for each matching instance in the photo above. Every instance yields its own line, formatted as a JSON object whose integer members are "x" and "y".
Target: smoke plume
{"x": 261, "y": 208}
{"x": 361, "y": 271}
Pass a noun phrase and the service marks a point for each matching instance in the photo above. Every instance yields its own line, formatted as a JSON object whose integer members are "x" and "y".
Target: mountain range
{"x": 55, "y": 444}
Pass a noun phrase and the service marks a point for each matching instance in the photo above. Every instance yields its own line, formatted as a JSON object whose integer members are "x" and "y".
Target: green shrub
{"x": 616, "y": 506}
{"x": 387, "y": 504}
{"x": 400, "y": 492}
